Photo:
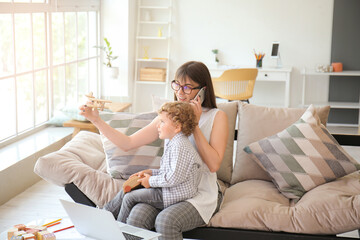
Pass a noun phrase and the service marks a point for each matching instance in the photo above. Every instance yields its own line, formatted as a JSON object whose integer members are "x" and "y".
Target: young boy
{"x": 179, "y": 172}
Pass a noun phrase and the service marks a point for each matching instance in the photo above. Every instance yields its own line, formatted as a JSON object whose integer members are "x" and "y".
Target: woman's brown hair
{"x": 198, "y": 72}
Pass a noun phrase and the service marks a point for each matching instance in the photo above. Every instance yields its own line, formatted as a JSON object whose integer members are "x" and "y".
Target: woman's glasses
{"x": 186, "y": 89}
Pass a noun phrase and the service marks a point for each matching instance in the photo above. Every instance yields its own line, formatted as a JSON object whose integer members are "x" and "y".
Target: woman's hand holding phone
{"x": 196, "y": 104}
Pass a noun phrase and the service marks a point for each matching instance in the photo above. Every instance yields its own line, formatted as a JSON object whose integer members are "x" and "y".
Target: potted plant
{"x": 216, "y": 59}
{"x": 215, "y": 52}
{"x": 113, "y": 71}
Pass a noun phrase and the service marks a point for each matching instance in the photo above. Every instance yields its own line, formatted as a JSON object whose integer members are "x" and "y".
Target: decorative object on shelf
{"x": 112, "y": 71}
{"x": 160, "y": 34}
{"x": 337, "y": 66}
{"x": 215, "y": 52}
{"x": 146, "y": 52}
{"x": 147, "y": 16}
{"x": 108, "y": 51}
{"x": 259, "y": 57}
{"x": 159, "y": 58}
{"x": 324, "y": 68}
{"x": 153, "y": 74}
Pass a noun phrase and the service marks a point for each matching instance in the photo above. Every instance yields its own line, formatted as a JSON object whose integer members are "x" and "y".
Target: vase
{"x": 112, "y": 72}
{"x": 259, "y": 63}
{"x": 147, "y": 16}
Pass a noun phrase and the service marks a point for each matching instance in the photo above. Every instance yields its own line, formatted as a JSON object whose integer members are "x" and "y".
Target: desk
{"x": 266, "y": 74}
{"x": 88, "y": 126}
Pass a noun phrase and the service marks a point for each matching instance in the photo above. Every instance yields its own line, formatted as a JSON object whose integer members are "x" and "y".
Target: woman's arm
{"x": 142, "y": 137}
{"x": 212, "y": 153}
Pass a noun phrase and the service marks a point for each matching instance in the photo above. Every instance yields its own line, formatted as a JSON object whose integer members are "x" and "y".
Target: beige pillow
{"x": 224, "y": 173}
{"x": 122, "y": 164}
{"x": 302, "y": 157}
{"x": 257, "y": 122}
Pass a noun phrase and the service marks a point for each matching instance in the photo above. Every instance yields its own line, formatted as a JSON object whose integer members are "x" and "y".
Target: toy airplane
{"x": 97, "y": 103}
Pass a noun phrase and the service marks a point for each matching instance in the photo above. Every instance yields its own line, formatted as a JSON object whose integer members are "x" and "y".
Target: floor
{"x": 37, "y": 202}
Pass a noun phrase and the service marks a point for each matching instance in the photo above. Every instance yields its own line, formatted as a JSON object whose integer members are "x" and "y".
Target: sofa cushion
{"x": 331, "y": 208}
{"x": 122, "y": 164}
{"x": 257, "y": 122}
{"x": 81, "y": 161}
{"x": 157, "y": 102}
{"x": 226, "y": 167}
{"x": 302, "y": 156}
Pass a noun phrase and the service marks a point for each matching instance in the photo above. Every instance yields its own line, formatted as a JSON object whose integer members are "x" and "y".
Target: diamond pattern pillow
{"x": 302, "y": 156}
{"x": 122, "y": 164}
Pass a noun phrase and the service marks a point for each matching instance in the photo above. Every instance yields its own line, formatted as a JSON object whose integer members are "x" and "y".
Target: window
{"x": 47, "y": 60}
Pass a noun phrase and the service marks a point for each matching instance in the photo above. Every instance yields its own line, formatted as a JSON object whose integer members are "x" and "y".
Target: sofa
{"x": 256, "y": 204}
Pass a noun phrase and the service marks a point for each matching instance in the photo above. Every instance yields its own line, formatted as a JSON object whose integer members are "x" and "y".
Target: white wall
{"x": 117, "y": 25}
{"x": 236, "y": 27}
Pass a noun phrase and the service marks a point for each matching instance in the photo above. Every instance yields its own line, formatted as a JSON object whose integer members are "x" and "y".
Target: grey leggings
{"x": 122, "y": 204}
{"x": 171, "y": 221}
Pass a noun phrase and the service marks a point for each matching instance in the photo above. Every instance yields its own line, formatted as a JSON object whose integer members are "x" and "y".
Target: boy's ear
{"x": 178, "y": 128}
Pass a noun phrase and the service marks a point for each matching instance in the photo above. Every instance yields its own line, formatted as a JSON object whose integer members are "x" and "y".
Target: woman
{"x": 209, "y": 138}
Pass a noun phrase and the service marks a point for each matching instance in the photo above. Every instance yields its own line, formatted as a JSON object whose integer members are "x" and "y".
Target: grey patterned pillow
{"x": 303, "y": 156}
{"x": 122, "y": 164}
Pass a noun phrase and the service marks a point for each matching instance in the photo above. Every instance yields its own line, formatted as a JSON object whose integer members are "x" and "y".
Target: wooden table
{"x": 118, "y": 107}
{"x": 79, "y": 125}
{"x": 88, "y": 126}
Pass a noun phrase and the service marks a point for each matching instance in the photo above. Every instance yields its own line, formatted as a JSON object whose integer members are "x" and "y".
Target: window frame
{"x": 48, "y": 8}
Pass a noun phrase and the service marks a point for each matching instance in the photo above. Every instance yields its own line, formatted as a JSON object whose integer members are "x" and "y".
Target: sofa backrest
{"x": 225, "y": 171}
{"x": 255, "y": 123}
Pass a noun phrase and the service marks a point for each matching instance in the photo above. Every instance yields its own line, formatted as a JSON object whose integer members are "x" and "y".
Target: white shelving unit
{"x": 339, "y": 105}
{"x": 153, "y": 16}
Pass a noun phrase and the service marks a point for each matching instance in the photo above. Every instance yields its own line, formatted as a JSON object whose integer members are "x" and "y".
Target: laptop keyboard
{"x": 129, "y": 236}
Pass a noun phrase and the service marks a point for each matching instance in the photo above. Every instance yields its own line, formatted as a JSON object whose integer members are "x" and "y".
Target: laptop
{"x": 100, "y": 224}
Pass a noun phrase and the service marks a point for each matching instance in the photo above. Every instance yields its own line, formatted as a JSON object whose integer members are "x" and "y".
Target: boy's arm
{"x": 177, "y": 173}
{"x": 155, "y": 172}
{"x": 141, "y": 173}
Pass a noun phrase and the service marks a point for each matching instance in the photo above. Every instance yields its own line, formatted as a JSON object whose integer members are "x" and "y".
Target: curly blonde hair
{"x": 181, "y": 113}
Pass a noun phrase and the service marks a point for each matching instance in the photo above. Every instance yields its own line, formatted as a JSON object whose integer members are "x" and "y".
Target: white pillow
{"x": 157, "y": 102}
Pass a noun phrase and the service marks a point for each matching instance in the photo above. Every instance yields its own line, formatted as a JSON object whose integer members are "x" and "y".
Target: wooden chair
{"x": 235, "y": 84}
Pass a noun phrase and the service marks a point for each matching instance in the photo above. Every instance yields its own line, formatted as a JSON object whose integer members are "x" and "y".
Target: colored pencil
{"x": 62, "y": 229}
{"x": 57, "y": 220}
{"x": 53, "y": 224}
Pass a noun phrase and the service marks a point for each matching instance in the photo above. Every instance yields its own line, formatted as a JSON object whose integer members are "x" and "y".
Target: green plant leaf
{"x": 108, "y": 52}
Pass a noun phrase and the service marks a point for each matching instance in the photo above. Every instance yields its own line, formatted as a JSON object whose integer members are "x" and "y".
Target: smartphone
{"x": 201, "y": 93}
